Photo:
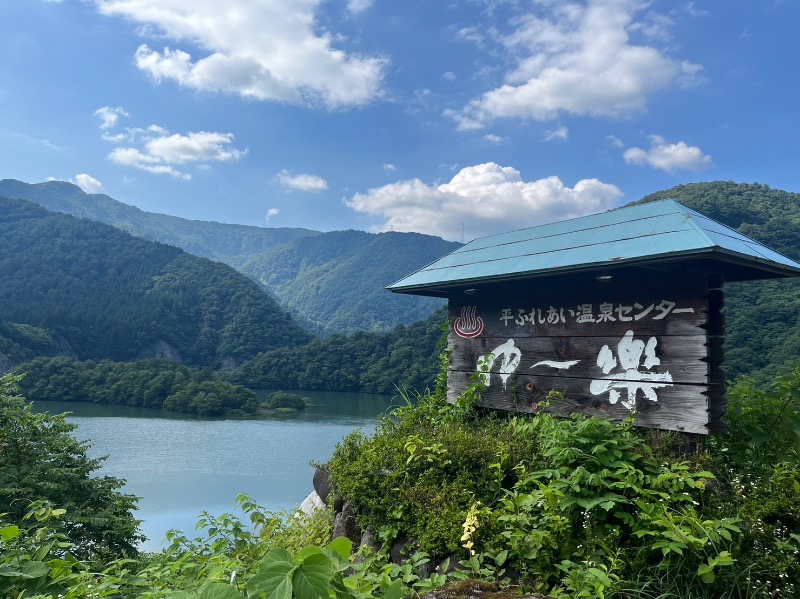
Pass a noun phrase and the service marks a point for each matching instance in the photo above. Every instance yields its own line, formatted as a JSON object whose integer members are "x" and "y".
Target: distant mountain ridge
{"x": 85, "y": 289}
{"x": 331, "y": 282}
{"x": 232, "y": 244}
{"x": 335, "y": 282}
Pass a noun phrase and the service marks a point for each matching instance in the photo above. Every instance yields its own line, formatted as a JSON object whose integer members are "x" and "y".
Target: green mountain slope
{"x": 762, "y": 317}
{"x": 232, "y": 244}
{"x": 335, "y": 282}
{"x": 99, "y": 292}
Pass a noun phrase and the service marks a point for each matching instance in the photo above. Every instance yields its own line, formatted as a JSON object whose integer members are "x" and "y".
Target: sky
{"x": 453, "y": 118}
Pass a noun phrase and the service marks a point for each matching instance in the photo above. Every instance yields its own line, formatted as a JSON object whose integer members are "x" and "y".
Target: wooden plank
{"x": 678, "y": 407}
{"x": 684, "y": 357}
{"x": 611, "y": 315}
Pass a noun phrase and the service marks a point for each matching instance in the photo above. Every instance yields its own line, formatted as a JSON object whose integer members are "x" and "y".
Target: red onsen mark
{"x": 468, "y": 325}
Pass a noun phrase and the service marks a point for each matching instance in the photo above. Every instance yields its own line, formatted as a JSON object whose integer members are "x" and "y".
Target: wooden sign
{"x": 654, "y": 353}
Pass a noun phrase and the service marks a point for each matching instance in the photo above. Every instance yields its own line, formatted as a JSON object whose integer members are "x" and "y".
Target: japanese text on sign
{"x": 585, "y": 313}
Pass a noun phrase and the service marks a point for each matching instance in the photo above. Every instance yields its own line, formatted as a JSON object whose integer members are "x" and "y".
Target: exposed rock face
{"x": 345, "y": 525}
{"x": 322, "y": 484}
{"x": 311, "y": 504}
{"x": 162, "y": 349}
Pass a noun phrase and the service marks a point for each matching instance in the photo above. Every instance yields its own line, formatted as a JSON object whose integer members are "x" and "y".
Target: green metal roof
{"x": 635, "y": 235}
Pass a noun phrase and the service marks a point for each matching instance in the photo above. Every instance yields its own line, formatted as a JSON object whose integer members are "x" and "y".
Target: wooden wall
{"x": 655, "y": 345}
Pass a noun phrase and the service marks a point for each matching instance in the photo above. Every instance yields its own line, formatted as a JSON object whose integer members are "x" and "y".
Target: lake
{"x": 181, "y": 465}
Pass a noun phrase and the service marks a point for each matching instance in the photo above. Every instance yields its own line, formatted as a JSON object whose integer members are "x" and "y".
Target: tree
{"x": 40, "y": 460}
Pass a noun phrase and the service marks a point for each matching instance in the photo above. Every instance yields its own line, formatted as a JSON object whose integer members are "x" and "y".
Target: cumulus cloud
{"x": 271, "y": 213}
{"x": 262, "y": 50}
{"x": 561, "y": 133}
{"x": 358, "y": 6}
{"x": 87, "y": 183}
{"x": 494, "y": 139}
{"x": 158, "y": 152}
{"x": 579, "y": 59}
{"x": 304, "y": 182}
{"x": 669, "y": 157}
{"x": 109, "y": 117}
{"x": 487, "y": 198}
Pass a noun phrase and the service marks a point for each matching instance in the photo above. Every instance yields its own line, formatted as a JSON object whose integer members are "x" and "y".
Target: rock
{"x": 368, "y": 539}
{"x": 344, "y": 525}
{"x": 322, "y": 484}
{"x": 402, "y": 548}
{"x": 311, "y": 504}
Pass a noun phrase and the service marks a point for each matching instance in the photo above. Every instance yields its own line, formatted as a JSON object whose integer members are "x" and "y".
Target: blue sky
{"x": 420, "y": 115}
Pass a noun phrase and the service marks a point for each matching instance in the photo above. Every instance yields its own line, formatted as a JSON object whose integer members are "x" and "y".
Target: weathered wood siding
{"x": 608, "y": 350}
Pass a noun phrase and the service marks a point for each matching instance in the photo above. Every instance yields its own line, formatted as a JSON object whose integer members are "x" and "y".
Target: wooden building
{"x": 620, "y": 311}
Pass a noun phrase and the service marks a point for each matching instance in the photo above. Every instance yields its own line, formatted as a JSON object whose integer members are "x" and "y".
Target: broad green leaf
{"x": 396, "y": 590}
{"x": 501, "y": 557}
{"x": 312, "y": 578}
{"x": 218, "y": 590}
{"x": 8, "y": 533}
{"x": 341, "y": 546}
{"x": 305, "y": 552}
{"x": 274, "y": 577}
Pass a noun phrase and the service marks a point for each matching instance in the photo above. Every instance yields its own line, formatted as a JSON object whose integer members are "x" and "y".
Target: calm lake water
{"x": 181, "y": 465}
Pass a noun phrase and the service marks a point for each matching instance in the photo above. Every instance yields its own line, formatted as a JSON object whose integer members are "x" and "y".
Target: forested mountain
{"x": 762, "y": 317}
{"x": 232, "y": 244}
{"x": 90, "y": 291}
{"x": 406, "y": 357}
{"x": 335, "y": 282}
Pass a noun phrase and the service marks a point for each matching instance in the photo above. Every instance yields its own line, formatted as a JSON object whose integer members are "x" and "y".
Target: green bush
{"x": 281, "y": 399}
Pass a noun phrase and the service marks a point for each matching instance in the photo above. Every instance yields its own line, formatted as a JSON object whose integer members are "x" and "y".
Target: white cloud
{"x": 358, "y": 6}
{"x": 261, "y": 50}
{"x": 494, "y": 139}
{"x": 561, "y": 133}
{"x": 669, "y": 157}
{"x": 271, "y": 213}
{"x": 449, "y": 76}
{"x": 487, "y": 198}
{"x": 304, "y": 182}
{"x": 159, "y": 151}
{"x": 389, "y": 168}
{"x": 87, "y": 183}
{"x": 109, "y": 116}
{"x": 615, "y": 141}
{"x": 577, "y": 58}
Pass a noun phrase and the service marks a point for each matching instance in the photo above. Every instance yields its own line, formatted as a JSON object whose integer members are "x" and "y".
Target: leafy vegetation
{"x": 581, "y": 507}
{"x": 153, "y": 383}
{"x": 103, "y": 294}
{"x": 366, "y": 362}
{"x": 281, "y": 400}
{"x": 335, "y": 282}
{"x": 573, "y": 507}
{"x": 43, "y": 465}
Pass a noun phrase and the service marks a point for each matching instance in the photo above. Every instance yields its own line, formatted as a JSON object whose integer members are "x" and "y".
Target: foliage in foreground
{"x": 575, "y": 507}
{"x": 41, "y": 463}
{"x": 586, "y": 508}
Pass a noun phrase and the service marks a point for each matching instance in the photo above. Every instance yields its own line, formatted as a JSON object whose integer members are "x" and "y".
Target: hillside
{"x": 90, "y": 291}
{"x": 762, "y": 317}
{"x": 232, "y": 244}
{"x": 335, "y": 282}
